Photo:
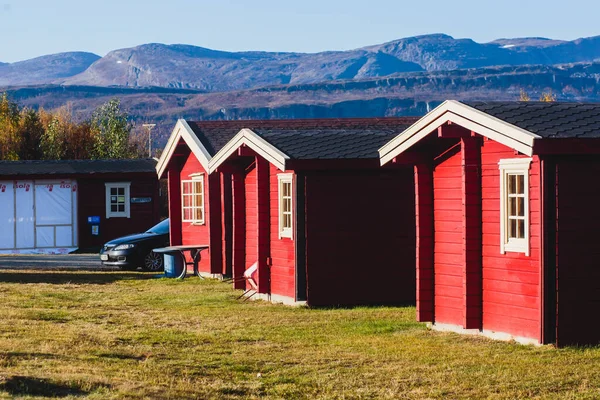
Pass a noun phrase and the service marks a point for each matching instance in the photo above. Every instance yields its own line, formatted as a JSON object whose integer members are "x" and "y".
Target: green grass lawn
{"x": 122, "y": 335}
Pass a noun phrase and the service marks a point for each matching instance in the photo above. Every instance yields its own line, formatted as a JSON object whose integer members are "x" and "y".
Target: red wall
{"x": 283, "y": 267}
{"x": 196, "y": 234}
{"x": 92, "y": 202}
{"x": 509, "y": 283}
{"x": 511, "y": 291}
{"x": 360, "y": 237}
{"x": 578, "y": 237}
{"x": 250, "y": 187}
{"x": 448, "y": 238}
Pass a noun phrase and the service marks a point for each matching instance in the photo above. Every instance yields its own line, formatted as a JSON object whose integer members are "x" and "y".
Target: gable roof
{"x": 515, "y": 124}
{"x": 548, "y": 120}
{"x": 278, "y": 141}
{"x": 75, "y": 167}
{"x": 303, "y": 138}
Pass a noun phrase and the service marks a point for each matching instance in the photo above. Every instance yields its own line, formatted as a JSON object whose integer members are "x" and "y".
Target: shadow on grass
{"x": 31, "y": 386}
{"x": 366, "y": 305}
{"x": 64, "y": 277}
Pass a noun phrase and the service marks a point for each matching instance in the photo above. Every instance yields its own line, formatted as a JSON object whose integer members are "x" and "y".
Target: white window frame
{"x": 118, "y": 214}
{"x": 195, "y": 178}
{"x": 514, "y": 166}
{"x": 285, "y": 232}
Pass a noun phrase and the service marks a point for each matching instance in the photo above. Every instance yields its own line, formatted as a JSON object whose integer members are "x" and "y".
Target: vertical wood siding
{"x": 578, "y": 234}
{"x": 360, "y": 237}
{"x": 282, "y": 250}
{"x": 251, "y": 212}
{"x": 448, "y": 232}
{"x": 511, "y": 291}
{"x": 424, "y": 223}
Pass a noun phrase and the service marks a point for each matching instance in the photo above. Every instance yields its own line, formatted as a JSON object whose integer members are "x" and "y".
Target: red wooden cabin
{"x": 305, "y": 199}
{"x": 507, "y": 218}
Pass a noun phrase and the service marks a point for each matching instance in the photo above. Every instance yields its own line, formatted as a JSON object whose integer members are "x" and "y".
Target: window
{"x": 514, "y": 205}
{"x": 285, "y": 205}
{"x": 117, "y": 200}
{"x": 192, "y": 199}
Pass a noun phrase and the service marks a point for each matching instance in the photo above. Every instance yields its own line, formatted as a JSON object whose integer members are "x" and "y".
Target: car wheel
{"x": 153, "y": 262}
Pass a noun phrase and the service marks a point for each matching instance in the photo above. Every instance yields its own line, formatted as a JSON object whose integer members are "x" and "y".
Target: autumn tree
{"x": 548, "y": 97}
{"x": 9, "y": 129}
{"x": 30, "y": 132}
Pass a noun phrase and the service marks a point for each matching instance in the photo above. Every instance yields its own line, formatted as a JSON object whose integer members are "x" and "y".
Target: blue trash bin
{"x": 173, "y": 264}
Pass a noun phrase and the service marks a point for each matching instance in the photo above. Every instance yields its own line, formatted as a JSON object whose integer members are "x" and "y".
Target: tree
{"x": 111, "y": 131}
{"x": 523, "y": 96}
{"x": 54, "y": 139}
{"x": 9, "y": 127}
{"x": 548, "y": 97}
{"x": 31, "y": 131}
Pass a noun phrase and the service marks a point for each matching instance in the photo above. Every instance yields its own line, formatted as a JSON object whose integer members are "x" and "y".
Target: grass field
{"x": 122, "y": 335}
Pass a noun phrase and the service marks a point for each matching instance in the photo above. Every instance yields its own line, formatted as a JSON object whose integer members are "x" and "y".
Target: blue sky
{"x": 30, "y": 28}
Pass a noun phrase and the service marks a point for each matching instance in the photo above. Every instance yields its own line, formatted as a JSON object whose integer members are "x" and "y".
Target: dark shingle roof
{"x": 548, "y": 120}
{"x": 76, "y": 167}
{"x": 330, "y": 143}
{"x": 309, "y": 138}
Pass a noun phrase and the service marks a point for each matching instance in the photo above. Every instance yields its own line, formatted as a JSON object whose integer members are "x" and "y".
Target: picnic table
{"x": 195, "y": 254}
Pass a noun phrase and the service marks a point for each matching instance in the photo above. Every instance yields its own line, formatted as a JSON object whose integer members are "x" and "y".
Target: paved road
{"x": 49, "y": 262}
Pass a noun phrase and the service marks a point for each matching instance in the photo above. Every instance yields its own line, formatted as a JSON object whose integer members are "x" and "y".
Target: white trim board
{"x": 250, "y": 139}
{"x": 182, "y": 131}
{"x": 465, "y": 116}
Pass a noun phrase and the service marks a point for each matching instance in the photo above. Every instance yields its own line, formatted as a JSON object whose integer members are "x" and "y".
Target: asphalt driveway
{"x": 88, "y": 262}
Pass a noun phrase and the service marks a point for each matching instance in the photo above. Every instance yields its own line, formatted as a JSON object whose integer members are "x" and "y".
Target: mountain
{"x": 183, "y": 66}
{"x": 45, "y": 69}
{"x": 192, "y": 67}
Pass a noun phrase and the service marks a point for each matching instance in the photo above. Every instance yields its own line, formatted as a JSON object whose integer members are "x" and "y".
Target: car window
{"x": 161, "y": 228}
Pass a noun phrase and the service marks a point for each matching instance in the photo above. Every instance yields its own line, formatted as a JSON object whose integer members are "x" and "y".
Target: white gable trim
{"x": 252, "y": 140}
{"x": 467, "y": 117}
{"x": 182, "y": 131}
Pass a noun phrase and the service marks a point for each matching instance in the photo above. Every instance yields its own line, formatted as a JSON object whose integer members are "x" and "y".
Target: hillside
{"x": 407, "y": 94}
{"x": 45, "y": 69}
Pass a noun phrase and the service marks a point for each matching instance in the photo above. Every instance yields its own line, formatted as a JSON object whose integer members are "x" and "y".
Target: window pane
{"x": 521, "y": 228}
{"x": 197, "y": 187}
{"x": 121, "y": 207}
{"x": 113, "y": 208}
{"x": 512, "y": 228}
{"x": 113, "y": 199}
{"x": 512, "y": 206}
{"x": 121, "y": 199}
{"x": 512, "y": 184}
{"x": 121, "y": 191}
{"x": 520, "y": 184}
{"x": 113, "y": 191}
{"x": 521, "y": 206}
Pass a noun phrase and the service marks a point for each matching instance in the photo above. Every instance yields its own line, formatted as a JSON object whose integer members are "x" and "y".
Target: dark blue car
{"x": 133, "y": 251}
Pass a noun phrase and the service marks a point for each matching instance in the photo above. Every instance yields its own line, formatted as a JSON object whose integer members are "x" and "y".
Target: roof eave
{"x": 468, "y": 117}
{"x": 247, "y": 137}
{"x": 183, "y": 131}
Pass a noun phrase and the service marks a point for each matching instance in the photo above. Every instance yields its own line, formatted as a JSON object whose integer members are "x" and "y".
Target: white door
{"x": 7, "y": 215}
{"x": 24, "y": 215}
{"x": 55, "y": 214}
